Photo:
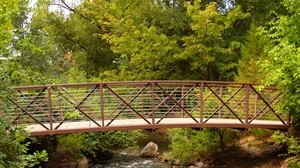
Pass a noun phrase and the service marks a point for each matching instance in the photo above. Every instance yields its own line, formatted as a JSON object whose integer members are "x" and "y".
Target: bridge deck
{"x": 126, "y": 124}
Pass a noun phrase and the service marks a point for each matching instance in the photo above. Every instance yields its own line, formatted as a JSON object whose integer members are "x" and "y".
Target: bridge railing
{"x": 106, "y": 104}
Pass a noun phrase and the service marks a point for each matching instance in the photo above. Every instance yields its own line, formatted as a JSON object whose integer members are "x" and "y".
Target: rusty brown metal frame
{"x": 32, "y": 101}
{"x": 127, "y": 104}
{"x": 199, "y": 104}
{"x": 177, "y": 102}
{"x": 25, "y": 111}
{"x": 223, "y": 103}
{"x": 120, "y": 103}
{"x": 265, "y": 107}
{"x": 77, "y": 106}
{"x": 162, "y": 101}
{"x": 267, "y": 104}
{"x": 168, "y": 95}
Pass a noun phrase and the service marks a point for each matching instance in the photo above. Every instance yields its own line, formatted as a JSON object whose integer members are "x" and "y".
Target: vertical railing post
{"x": 143, "y": 103}
{"x": 201, "y": 103}
{"x": 255, "y": 104}
{"x": 50, "y": 109}
{"x": 289, "y": 119}
{"x": 247, "y": 105}
{"x": 182, "y": 102}
{"x": 60, "y": 108}
{"x": 152, "y": 102}
{"x": 220, "y": 104}
{"x": 101, "y": 104}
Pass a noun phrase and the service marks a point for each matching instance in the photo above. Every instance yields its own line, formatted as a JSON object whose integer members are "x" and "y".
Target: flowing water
{"x": 131, "y": 159}
{"x": 126, "y": 160}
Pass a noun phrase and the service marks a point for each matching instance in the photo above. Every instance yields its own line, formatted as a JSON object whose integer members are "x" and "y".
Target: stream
{"x": 130, "y": 158}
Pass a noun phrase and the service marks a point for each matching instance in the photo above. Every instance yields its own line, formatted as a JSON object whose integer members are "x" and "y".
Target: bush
{"x": 102, "y": 145}
{"x": 188, "y": 145}
{"x": 293, "y": 146}
{"x": 292, "y": 142}
{"x": 13, "y": 151}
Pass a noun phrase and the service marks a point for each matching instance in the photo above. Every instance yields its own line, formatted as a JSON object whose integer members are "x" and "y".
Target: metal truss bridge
{"x": 103, "y": 106}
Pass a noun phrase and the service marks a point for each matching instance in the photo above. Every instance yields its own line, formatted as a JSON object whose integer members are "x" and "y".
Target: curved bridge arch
{"x": 102, "y": 106}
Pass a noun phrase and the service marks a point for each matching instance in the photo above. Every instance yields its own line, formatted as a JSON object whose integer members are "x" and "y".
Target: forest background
{"x": 59, "y": 41}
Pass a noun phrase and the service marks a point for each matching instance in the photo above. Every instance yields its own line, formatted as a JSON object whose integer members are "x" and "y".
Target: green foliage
{"x": 206, "y": 47}
{"x": 149, "y": 50}
{"x": 7, "y": 10}
{"x": 283, "y": 64}
{"x": 76, "y": 44}
{"x": 292, "y": 142}
{"x": 293, "y": 147}
{"x": 294, "y": 163}
{"x": 13, "y": 150}
{"x": 104, "y": 144}
{"x": 34, "y": 159}
{"x": 188, "y": 145}
{"x": 71, "y": 144}
{"x": 94, "y": 145}
{"x": 252, "y": 53}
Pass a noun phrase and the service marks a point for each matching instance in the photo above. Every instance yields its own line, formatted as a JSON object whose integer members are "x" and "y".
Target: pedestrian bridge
{"x": 102, "y": 106}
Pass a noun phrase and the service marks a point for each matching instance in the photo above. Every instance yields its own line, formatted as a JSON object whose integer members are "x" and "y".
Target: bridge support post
{"x": 201, "y": 103}
{"x": 152, "y": 102}
{"x": 50, "y": 109}
{"x": 182, "y": 102}
{"x": 289, "y": 119}
{"x": 101, "y": 104}
{"x": 247, "y": 105}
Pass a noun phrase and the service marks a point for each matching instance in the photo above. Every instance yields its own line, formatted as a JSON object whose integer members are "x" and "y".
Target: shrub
{"x": 105, "y": 144}
{"x": 13, "y": 150}
{"x": 188, "y": 145}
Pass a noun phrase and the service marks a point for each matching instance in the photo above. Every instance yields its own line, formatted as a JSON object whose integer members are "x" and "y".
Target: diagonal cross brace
{"x": 236, "y": 92}
{"x": 239, "y": 104}
{"x": 162, "y": 101}
{"x": 267, "y": 104}
{"x": 120, "y": 103}
{"x": 76, "y": 106}
{"x": 31, "y": 103}
{"x": 197, "y": 106}
{"x": 127, "y": 104}
{"x": 261, "y": 111}
{"x": 177, "y": 103}
{"x": 25, "y": 111}
{"x": 224, "y": 103}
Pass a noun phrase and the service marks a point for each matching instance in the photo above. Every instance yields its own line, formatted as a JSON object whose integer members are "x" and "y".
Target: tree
{"x": 252, "y": 53}
{"x": 76, "y": 44}
{"x": 8, "y": 9}
{"x": 282, "y": 67}
{"x": 209, "y": 52}
{"x": 168, "y": 42}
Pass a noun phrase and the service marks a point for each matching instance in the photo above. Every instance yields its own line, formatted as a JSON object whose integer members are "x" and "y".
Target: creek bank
{"x": 248, "y": 152}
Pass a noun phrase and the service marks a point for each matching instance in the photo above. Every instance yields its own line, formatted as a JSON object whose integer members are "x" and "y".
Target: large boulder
{"x": 150, "y": 150}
